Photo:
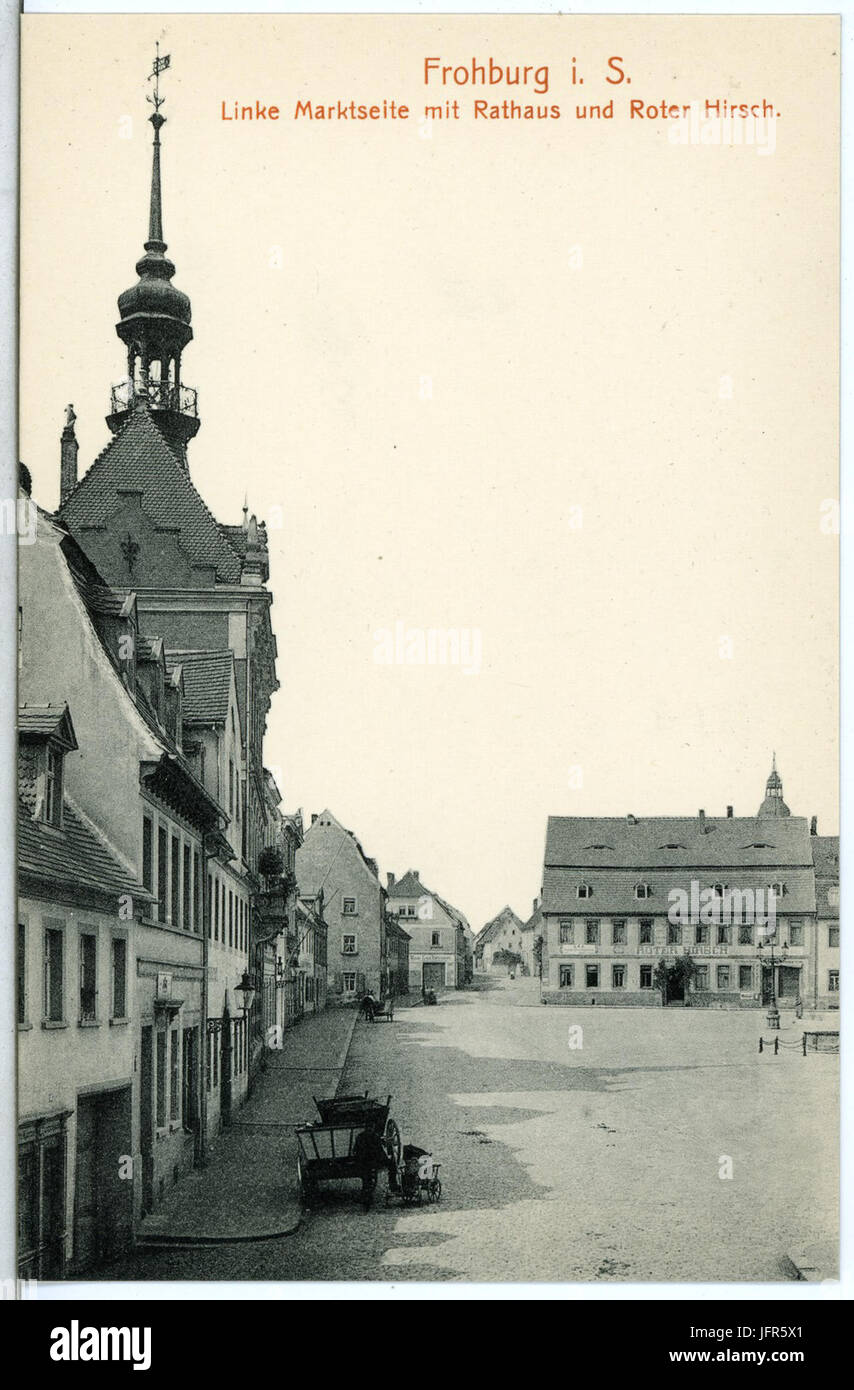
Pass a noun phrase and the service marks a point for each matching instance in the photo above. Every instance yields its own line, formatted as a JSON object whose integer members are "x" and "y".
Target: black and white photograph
{"x": 427, "y": 530}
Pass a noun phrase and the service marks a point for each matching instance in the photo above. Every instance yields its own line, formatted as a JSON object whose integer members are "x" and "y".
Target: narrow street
{"x": 664, "y": 1147}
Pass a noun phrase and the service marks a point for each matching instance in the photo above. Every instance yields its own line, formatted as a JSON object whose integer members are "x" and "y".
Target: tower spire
{"x": 155, "y": 213}
{"x": 155, "y": 318}
{"x": 774, "y": 805}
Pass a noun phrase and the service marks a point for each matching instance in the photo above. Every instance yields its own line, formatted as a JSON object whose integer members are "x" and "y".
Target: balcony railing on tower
{"x": 158, "y": 395}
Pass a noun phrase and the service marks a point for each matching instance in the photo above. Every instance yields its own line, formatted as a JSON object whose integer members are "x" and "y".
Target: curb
{"x": 163, "y": 1241}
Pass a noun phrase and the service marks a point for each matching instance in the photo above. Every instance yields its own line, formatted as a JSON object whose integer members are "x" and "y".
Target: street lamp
{"x": 773, "y": 1011}
{"x": 245, "y": 992}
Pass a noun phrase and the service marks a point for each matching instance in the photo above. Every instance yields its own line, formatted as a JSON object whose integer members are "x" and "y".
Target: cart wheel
{"x": 394, "y": 1147}
{"x": 434, "y": 1189}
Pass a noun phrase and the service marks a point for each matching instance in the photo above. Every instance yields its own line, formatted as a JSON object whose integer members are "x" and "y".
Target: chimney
{"x": 729, "y": 813}
{"x": 390, "y": 878}
{"x": 314, "y": 816}
{"x": 702, "y": 817}
{"x": 67, "y": 456}
{"x": 814, "y": 825}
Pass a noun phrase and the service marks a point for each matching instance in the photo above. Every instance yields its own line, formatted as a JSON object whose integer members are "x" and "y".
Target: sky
{"x": 566, "y": 390}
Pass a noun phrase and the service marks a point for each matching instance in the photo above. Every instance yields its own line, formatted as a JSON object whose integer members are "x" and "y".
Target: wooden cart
{"x": 326, "y": 1148}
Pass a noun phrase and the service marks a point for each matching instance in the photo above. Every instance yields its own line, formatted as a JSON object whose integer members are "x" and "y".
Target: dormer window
{"x": 52, "y": 805}
{"x": 778, "y": 889}
{"x": 673, "y": 845}
{"x": 719, "y": 890}
{"x": 584, "y": 890}
{"x": 45, "y": 735}
{"x": 643, "y": 891}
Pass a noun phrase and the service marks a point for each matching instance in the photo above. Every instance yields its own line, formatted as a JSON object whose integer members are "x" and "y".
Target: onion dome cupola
{"x": 774, "y": 805}
{"x": 154, "y": 322}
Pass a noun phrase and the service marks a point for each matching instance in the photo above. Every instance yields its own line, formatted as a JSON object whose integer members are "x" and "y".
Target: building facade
{"x": 503, "y": 933}
{"x": 331, "y": 861}
{"x": 439, "y": 947}
{"x": 707, "y": 912}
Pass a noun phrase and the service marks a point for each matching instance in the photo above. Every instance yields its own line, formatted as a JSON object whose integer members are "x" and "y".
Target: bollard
{"x": 776, "y": 1046}
{"x": 760, "y": 1044}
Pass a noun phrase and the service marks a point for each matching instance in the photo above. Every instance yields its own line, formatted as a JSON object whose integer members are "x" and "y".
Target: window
{"x": 723, "y": 977}
{"x": 162, "y": 873}
{"x": 642, "y": 890}
{"x": 745, "y": 936}
{"x": 674, "y": 934}
{"x": 701, "y": 978}
{"x": 796, "y": 933}
{"x": 778, "y": 889}
{"x": 88, "y": 977}
{"x": 724, "y": 934}
{"x": 210, "y": 905}
{"x": 435, "y": 939}
{"x": 584, "y": 891}
{"x": 833, "y": 981}
{"x": 618, "y": 934}
{"x": 646, "y": 977}
{"x": 701, "y": 935}
{"x": 591, "y": 931}
{"x": 21, "y": 976}
{"x": 216, "y": 909}
{"x": 197, "y": 879}
{"x": 349, "y": 978}
{"x": 348, "y": 946}
{"x": 833, "y": 936}
{"x": 719, "y": 889}
{"x": 566, "y": 977}
{"x": 566, "y": 933}
{"x": 53, "y": 972}
{"x": 161, "y": 1079}
{"x": 120, "y": 973}
{"x": 833, "y": 895}
{"x": 745, "y": 977}
{"x": 591, "y": 976}
{"x": 187, "y": 923}
{"x": 618, "y": 976}
{"x": 176, "y": 881}
{"x": 230, "y": 919}
{"x": 646, "y": 931}
{"x": 174, "y": 1089}
{"x": 349, "y": 907}
{"x": 147, "y": 855}
{"x": 53, "y": 787}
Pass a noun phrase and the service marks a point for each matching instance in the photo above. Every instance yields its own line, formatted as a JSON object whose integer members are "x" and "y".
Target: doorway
{"x": 103, "y": 1187}
{"x": 433, "y": 974}
{"x": 146, "y": 1118}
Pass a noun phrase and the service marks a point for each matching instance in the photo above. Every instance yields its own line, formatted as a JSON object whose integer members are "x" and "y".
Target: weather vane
{"x": 160, "y": 65}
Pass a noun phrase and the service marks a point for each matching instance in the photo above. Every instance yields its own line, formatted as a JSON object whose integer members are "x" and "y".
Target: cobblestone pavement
{"x": 598, "y": 1162}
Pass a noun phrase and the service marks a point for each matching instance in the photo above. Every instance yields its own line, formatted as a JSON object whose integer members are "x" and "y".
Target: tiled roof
{"x": 149, "y": 648}
{"x": 825, "y": 853}
{"x": 408, "y": 887}
{"x": 613, "y": 890}
{"x": 139, "y": 457}
{"x": 676, "y": 841}
{"x": 207, "y": 682}
{"x": 505, "y": 918}
{"x": 72, "y": 857}
{"x": 44, "y": 721}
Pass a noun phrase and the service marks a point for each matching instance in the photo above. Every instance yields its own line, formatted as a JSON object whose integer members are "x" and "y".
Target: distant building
{"x": 440, "y": 949}
{"x": 503, "y": 933}
{"x": 331, "y": 861}
{"x": 311, "y": 956}
{"x": 532, "y": 939}
{"x": 627, "y": 902}
{"x": 825, "y": 850}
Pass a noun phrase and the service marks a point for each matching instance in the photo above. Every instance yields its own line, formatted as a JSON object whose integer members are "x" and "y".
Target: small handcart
{"x": 328, "y": 1150}
{"x": 418, "y": 1178}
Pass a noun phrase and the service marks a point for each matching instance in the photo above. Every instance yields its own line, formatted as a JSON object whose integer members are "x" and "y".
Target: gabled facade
{"x": 503, "y": 933}
{"x": 439, "y": 948}
{"x": 331, "y": 861}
